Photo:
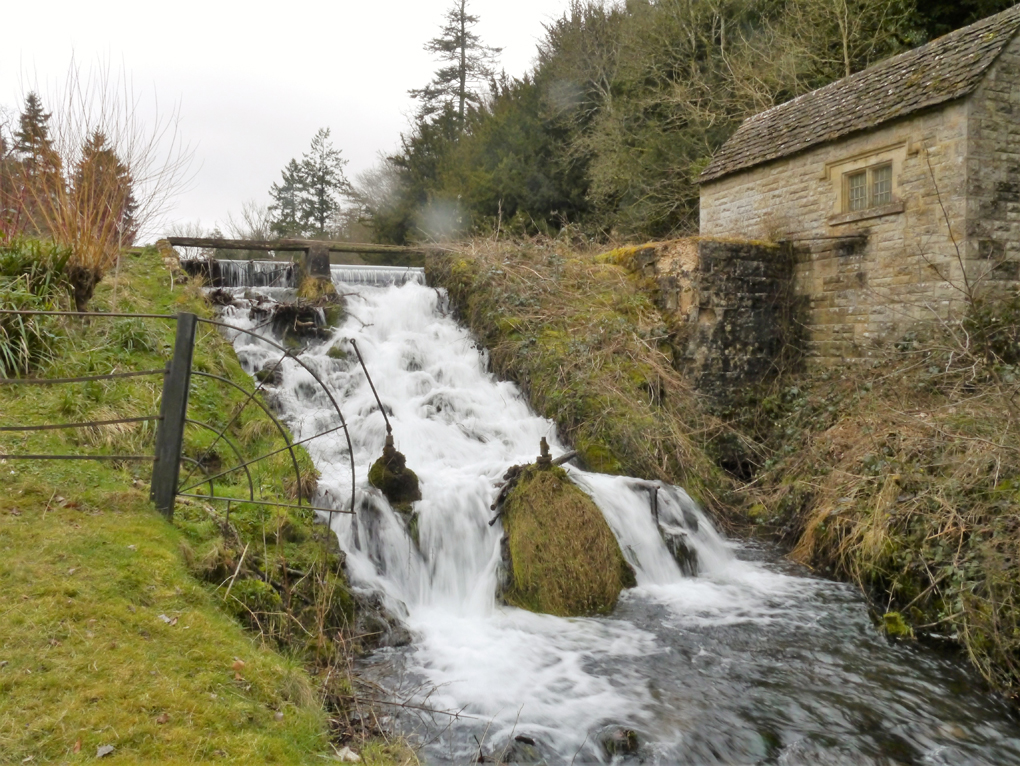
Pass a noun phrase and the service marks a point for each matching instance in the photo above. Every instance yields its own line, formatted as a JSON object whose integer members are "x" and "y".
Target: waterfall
{"x": 230, "y": 273}
{"x": 377, "y": 276}
{"x": 235, "y": 273}
{"x": 727, "y": 656}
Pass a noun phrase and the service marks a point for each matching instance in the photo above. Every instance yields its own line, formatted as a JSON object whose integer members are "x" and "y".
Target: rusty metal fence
{"x": 168, "y": 454}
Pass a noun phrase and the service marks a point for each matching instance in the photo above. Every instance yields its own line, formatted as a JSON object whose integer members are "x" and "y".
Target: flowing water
{"x": 750, "y": 660}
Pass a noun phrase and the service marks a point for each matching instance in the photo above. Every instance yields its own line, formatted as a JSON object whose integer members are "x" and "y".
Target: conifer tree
{"x": 323, "y": 184}
{"x": 284, "y": 207}
{"x": 306, "y": 202}
{"x": 32, "y": 142}
{"x": 468, "y": 64}
{"x": 103, "y": 183}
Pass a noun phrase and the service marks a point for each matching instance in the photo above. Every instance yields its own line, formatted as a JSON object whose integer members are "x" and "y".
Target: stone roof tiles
{"x": 945, "y": 69}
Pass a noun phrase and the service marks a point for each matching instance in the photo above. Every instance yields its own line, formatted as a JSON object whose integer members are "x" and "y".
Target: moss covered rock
{"x": 317, "y": 290}
{"x": 563, "y": 557}
{"x": 391, "y": 475}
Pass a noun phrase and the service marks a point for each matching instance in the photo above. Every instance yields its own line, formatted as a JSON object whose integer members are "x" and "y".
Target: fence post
{"x": 172, "y": 410}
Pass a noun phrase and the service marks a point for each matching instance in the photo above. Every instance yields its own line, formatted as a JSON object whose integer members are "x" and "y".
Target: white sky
{"x": 255, "y": 80}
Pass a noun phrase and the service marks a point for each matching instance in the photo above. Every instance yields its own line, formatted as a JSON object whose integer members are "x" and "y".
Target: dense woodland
{"x": 606, "y": 135}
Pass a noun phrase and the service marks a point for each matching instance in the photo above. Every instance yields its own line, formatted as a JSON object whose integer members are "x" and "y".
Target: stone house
{"x": 898, "y": 187}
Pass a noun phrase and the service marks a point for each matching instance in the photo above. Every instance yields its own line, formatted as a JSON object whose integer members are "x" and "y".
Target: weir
{"x": 737, "y": 658}
{"x": 226, "y": 272}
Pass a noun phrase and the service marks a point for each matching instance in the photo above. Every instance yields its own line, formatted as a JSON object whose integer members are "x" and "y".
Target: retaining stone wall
{"x": 733, "y": 304}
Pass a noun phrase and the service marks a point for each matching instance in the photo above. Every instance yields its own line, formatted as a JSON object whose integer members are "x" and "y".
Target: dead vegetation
{"x": 903, "y": 475}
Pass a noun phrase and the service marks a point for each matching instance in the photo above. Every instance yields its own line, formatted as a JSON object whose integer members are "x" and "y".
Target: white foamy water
{"x": 671, "y": 663}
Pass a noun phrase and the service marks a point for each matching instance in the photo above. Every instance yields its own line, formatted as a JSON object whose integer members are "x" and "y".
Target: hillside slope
{"x": 168, "y": 642}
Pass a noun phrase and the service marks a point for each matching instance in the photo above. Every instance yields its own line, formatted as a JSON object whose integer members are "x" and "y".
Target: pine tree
{"x": 103, "y": 186}
{"x": 307, "y": 201}
{"x": 32, "y": 143}
{"x": 469, "y": 64}
{"x": 324, "y": 183}
{"x": 284, "y": 207}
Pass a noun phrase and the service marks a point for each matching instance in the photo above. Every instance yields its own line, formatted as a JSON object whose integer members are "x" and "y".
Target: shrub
{"x": 32, "y": 278}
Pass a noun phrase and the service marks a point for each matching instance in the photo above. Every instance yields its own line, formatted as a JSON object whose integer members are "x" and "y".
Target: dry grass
{"x": 903, "y": 475}
{"x": 591, "y": 350}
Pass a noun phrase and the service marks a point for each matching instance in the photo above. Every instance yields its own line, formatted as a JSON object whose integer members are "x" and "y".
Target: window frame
{"x": 869, "y": 174}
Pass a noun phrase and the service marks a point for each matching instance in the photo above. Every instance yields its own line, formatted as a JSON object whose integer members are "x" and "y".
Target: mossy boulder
{"x": 317, "y": 290}
{"x": 563, "y": 557}
{"x": 391, "y": 475}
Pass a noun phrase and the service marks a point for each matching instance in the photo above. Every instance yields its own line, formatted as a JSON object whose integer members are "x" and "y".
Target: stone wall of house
{"x": 993, "y": 175}
{"x": 865, "y": 276}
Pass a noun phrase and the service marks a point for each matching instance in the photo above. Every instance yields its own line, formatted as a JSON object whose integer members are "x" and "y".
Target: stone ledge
{"x": 872, "y": 212}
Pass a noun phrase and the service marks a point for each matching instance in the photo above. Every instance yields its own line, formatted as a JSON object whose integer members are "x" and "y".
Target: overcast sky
{"x": 254, "y": 81}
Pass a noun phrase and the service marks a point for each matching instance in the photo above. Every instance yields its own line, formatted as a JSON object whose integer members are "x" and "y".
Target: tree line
{"x": 607, "y": 133}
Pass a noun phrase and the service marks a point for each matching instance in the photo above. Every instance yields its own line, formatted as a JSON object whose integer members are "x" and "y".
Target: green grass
{"x": 86, "y": 575}
{"x": 87, "y": 567}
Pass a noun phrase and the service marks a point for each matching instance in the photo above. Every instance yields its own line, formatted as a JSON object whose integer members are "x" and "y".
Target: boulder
{"x": 391, "y": 475}
{"x": 560, "y": 556}
{"x": 619, "y": 741}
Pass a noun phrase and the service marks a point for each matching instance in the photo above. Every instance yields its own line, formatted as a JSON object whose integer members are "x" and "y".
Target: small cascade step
{"x": 377, "y": 276}
{"x": 226, "y": 272}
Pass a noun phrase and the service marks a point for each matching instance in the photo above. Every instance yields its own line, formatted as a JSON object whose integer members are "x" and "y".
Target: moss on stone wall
{"x": 564, "y": 558}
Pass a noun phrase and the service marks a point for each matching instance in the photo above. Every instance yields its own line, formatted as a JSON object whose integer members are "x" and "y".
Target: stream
{"x": 749, "y": 660}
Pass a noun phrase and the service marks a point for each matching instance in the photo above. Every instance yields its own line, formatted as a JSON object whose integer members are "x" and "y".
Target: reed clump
{"x": 32, "y": 277}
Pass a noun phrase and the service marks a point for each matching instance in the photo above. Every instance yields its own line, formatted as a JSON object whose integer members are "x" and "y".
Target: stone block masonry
{"x": 733, "y": 305}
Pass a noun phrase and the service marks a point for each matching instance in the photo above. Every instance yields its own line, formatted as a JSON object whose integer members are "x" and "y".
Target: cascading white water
{"x": 556, "y": 681}
{"x": 237, "y": 273}
{"x": 376, "y": 275}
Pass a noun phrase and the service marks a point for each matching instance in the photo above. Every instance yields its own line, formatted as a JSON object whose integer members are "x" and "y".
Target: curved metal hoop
{"x": 316, "y": 378}
{"x": 240, "y": 457}
{"x": 269, "y": 414}
{"x": 186, "y": 459}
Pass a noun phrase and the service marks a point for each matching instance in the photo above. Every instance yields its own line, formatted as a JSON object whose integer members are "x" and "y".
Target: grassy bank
{"x": 592, "y": 352}
{"x": 903, "y": 475}
{"x": 205, "y": 639}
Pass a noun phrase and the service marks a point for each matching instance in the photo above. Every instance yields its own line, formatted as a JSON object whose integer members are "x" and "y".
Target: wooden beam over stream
{"x": 304, "y": 245}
